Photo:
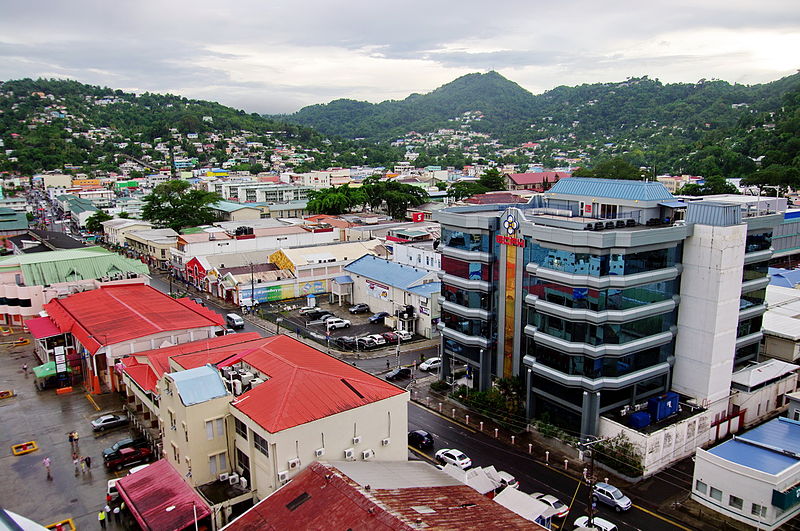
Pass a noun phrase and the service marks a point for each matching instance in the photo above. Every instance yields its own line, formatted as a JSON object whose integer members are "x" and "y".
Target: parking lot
{"x": 47, "y": 418}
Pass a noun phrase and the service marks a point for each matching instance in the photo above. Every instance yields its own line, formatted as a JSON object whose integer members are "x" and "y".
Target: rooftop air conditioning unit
{"x": 233, "y": 479}
{"x": 367, "y": 454}
{"x": 237, "y": 387}
{"x": 319, "y": 452}
{"x": 247, "y": 377}
{"x": 349, "y": 453}
{"x": 255, "y": 381}
{"x": 357, "y": 439}
{"x": 283, "y": 476}
{"x": 294, "y": 463}
{"x": 243, "y": 483}
{"x": 386, "y": 441}
{"x": 223, "y": 477}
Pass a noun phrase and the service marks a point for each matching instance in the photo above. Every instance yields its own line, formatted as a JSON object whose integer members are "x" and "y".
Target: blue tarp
{"x": 198, "y": 385}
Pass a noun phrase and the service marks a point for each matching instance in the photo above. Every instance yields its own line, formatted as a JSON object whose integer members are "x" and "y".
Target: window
{"x": 241, "y": 428}
{"x": 261, "y": 444}
{"x": 172, "y": 420}
{"x": 759, "y": 510}
{"x": 716, "y": 494}
{"x": 209, "y": 429}
{"x": 796, "y": 415}
{"x": 243, "y": 464}
{"x": 175, "y": 453}
{"x": 217, "y": 463}
{"x": 735, "y": 502}
{"x": 701, "y": 487}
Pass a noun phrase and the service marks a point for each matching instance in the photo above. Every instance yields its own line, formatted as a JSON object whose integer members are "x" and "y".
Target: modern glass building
{"x": 602, "y": 293}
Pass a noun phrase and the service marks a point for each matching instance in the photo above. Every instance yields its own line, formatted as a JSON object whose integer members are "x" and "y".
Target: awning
{"x": 344, "y": 279}
{"x": 42, "y": 327}
{"x": 673, "y": 204}
{"x": 46, "y": 370}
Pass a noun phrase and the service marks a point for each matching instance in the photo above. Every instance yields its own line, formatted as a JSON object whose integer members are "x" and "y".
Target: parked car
{"x": 400, "y": 373}
{"x": 420, "y": 439}
{"x": 129, "y": 456}
{"x": 111, "y": 489}
{"x": 128, "y": 442}
{"x": 378, "y": 339}
{"x": 334, "y": 323}
{"x": 552, "y": 501}
{"x": 317, "y": 314}
{"x": 359, "y": 308}
{"x": 454, "y": 457}
{"x": 390, "y": 337}
{"x": 378, "y": 317}
{"x": 109, "y": 421}
{"x": 199, "y": 301}
{"x": 234, "y": 321}
{"x": 365, "y": 342}
{"x": 308, "y": 309}
{"x": 325, "y": 318}
{"x": 611, "y": 496}
{"x": 599, "y": 524}
{"x": 404, "y": 335}
{"x": 431, "y": 364}
{"x": 348, "y": 342}
{"x": 507, "y": 480}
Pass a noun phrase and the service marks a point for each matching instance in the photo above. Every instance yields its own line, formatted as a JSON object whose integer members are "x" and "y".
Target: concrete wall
{"x": 780, "y": 348}
{"x": 763, "y": 402}
{"x": 374, "y": 422}
{"x": 395, "y": 299}
{"x": 709, "y": 310}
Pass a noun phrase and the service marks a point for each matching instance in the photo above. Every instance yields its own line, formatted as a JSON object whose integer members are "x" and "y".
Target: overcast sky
{"x": 272, "y": 56}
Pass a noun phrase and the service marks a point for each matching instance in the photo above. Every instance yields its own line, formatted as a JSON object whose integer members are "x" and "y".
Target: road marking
{"x": 421, "y": 454}
{"x": 432, "y": 412}
{"x": 574, "y": 495}
{"x": 667, "y": 520}
{"x": 89, "y": 397}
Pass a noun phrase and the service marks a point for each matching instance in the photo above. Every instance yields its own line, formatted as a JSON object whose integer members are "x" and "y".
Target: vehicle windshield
{"x": 616, "y": 493}
{"x": 557, "y": 504}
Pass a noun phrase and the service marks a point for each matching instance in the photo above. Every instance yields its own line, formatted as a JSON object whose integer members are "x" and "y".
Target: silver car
{"x": 612, "y": 496}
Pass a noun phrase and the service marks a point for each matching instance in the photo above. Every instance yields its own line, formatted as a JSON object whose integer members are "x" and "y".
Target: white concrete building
{"x": 115, "y": 230}
{"x": 753, "y": 478}
{"x": 420, "y": 254}
{"x": 759, "y": 390}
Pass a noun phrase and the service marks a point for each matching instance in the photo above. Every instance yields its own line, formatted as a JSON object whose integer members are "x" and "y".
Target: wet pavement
{"x": 47, "y": 418}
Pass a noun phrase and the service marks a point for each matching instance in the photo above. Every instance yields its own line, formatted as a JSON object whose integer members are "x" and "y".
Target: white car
{"x": 507, "y": 480}
{"x": 333, "y": 324}
{"x": 454, "y": 457}
{"x": 377, "y": 338}
{"x": 599, "y": 524}
{"x": 552, "y": 501}
{"x": 404, "y": 335}
{"x": 431, "y": 364}
{"x": 111, "y": 489}
{"x": 308, "y": 309}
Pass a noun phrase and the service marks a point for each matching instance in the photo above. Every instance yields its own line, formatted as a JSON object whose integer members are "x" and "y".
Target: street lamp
{"x": 278, "y": 322}
{"x": 194, "y": 511}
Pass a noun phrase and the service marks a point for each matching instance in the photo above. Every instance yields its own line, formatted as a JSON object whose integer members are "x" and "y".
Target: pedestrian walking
{"x": 25, "y": 369}
{"x": 76, "y": 462}
{"x": 101, "y": 517}
{"x": 116, "y": 515}
{"x": 83, "y": 465}
{"x": 88, "y": 461}
{"x": 387, "y": 365}
{"x": 46, "y": 463}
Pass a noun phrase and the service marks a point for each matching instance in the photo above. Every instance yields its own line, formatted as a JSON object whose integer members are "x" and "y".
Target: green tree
{"x": 713, "y": 185}
{"x": 464, "y": 189}
{"x": 124, "y": 215}
{"x": 94, "y": 222}
{"x": 173, "y": 204}
{"x": 617, "y": 168}
{"x": 492, "y": 179}
{"x": 394, "y": 196}
{"x": 335, "y": 201}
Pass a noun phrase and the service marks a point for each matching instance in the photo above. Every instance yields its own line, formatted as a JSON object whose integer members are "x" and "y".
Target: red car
{"x": 129, "y": 456}
{"x": 390, "y": 337}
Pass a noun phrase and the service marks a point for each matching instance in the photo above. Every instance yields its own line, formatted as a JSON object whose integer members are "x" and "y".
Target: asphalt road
{"x": 532, "y": 476}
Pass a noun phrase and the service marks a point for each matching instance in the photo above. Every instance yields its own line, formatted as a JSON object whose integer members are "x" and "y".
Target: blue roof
{"x": 198, "y": 385}
{"x": 426, "y": 290}
{"x": 787, "y": 278}
{"x": 772, "y": 447}
{"x": 391, "y": 273}
{"x": 343, "y": 279}
{"x": 612, "y": 189}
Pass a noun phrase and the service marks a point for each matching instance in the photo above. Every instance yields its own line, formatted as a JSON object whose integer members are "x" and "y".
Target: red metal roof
{"x": 149, "y": 492}
{"x": 538, "y": 178}
{"x": 113, "y": 314}
{"x": 304, "y": 385}
{"x": 42, "y": 327}
{"x": 323, "y": 497}
{"x": 140, "y": 373}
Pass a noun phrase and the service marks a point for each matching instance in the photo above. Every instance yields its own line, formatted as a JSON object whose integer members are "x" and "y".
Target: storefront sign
{"x": 508, "y": 240}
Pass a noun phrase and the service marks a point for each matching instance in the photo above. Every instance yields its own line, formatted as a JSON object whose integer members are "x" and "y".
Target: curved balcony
{"x": 463, "y": 311}
{"x": 474, "y": 341}
{"x": 605, "y": 316}
{"x": 755, "y": 285}
{"x": 463, "y": 283}
{"x": 604, "y": 282}
{"x": 630, "y": 347}
{"x": 467, "y": 256}
{"x": 596, "y": 384}
{"x": 757, "y": 256}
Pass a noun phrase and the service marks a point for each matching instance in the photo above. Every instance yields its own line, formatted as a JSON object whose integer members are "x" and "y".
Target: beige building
{"x": 153, "y": 246}
{"x": 114, "y": 230}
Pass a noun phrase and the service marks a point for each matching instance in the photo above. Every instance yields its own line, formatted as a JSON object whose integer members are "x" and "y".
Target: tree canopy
{"x": 393, "y": 196}
{"x": 94, "y": 222}
{"x": 713, "y": 185}
{"x": 173, "y": 204}
{"x": 335, "y": 200}
{"x": 492, "y": 179}
{"x": 613, "y": 168}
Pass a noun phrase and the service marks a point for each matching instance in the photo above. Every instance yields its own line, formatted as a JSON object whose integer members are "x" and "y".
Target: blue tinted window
{"x": 600, "y": 265}
{"x": 600, "y": 300}
{"x": 465, "y": 240}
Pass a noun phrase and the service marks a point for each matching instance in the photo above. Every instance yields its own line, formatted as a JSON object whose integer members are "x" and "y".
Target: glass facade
{"x": 586, "y": 366}
{"x": 749, "y": 326}
{"x": 758, "y": 242}
{"x": 611, "y": 334}
{"x": 467, "y": 270}
{"x": 463, "y": 351}
{"x": 470, "y": 327}
{"x": 600, "y": 300}
{"x": 600, "y": 265}
{"x": 755, "y": 271}
{"x": 466, "y": 241}
{"x": 752, "y": 298}
{"x": 466, "y": 298}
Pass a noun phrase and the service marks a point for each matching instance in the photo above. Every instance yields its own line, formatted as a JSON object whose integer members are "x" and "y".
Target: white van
{"x": 234, "y": 321}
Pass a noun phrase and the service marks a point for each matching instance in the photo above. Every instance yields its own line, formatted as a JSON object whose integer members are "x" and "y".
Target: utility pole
{"x": 590, "y": 479}
{"x": 252, "y": 288}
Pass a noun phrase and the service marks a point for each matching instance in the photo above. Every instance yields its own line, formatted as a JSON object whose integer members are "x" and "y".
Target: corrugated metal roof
{"x": 149, "y": 492}
{"x": 198, "y": 385}
{"x": 612, "y": 189}
{"x": 41, "y": 327}
{"x": 343, "y": 279}
{"x": 40, "y": 269}
{"x": 762, "y": 372}
{"x": 384, "y": 271}
{"x": 767, "y": 448}
{"x": 304, "y": 385}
